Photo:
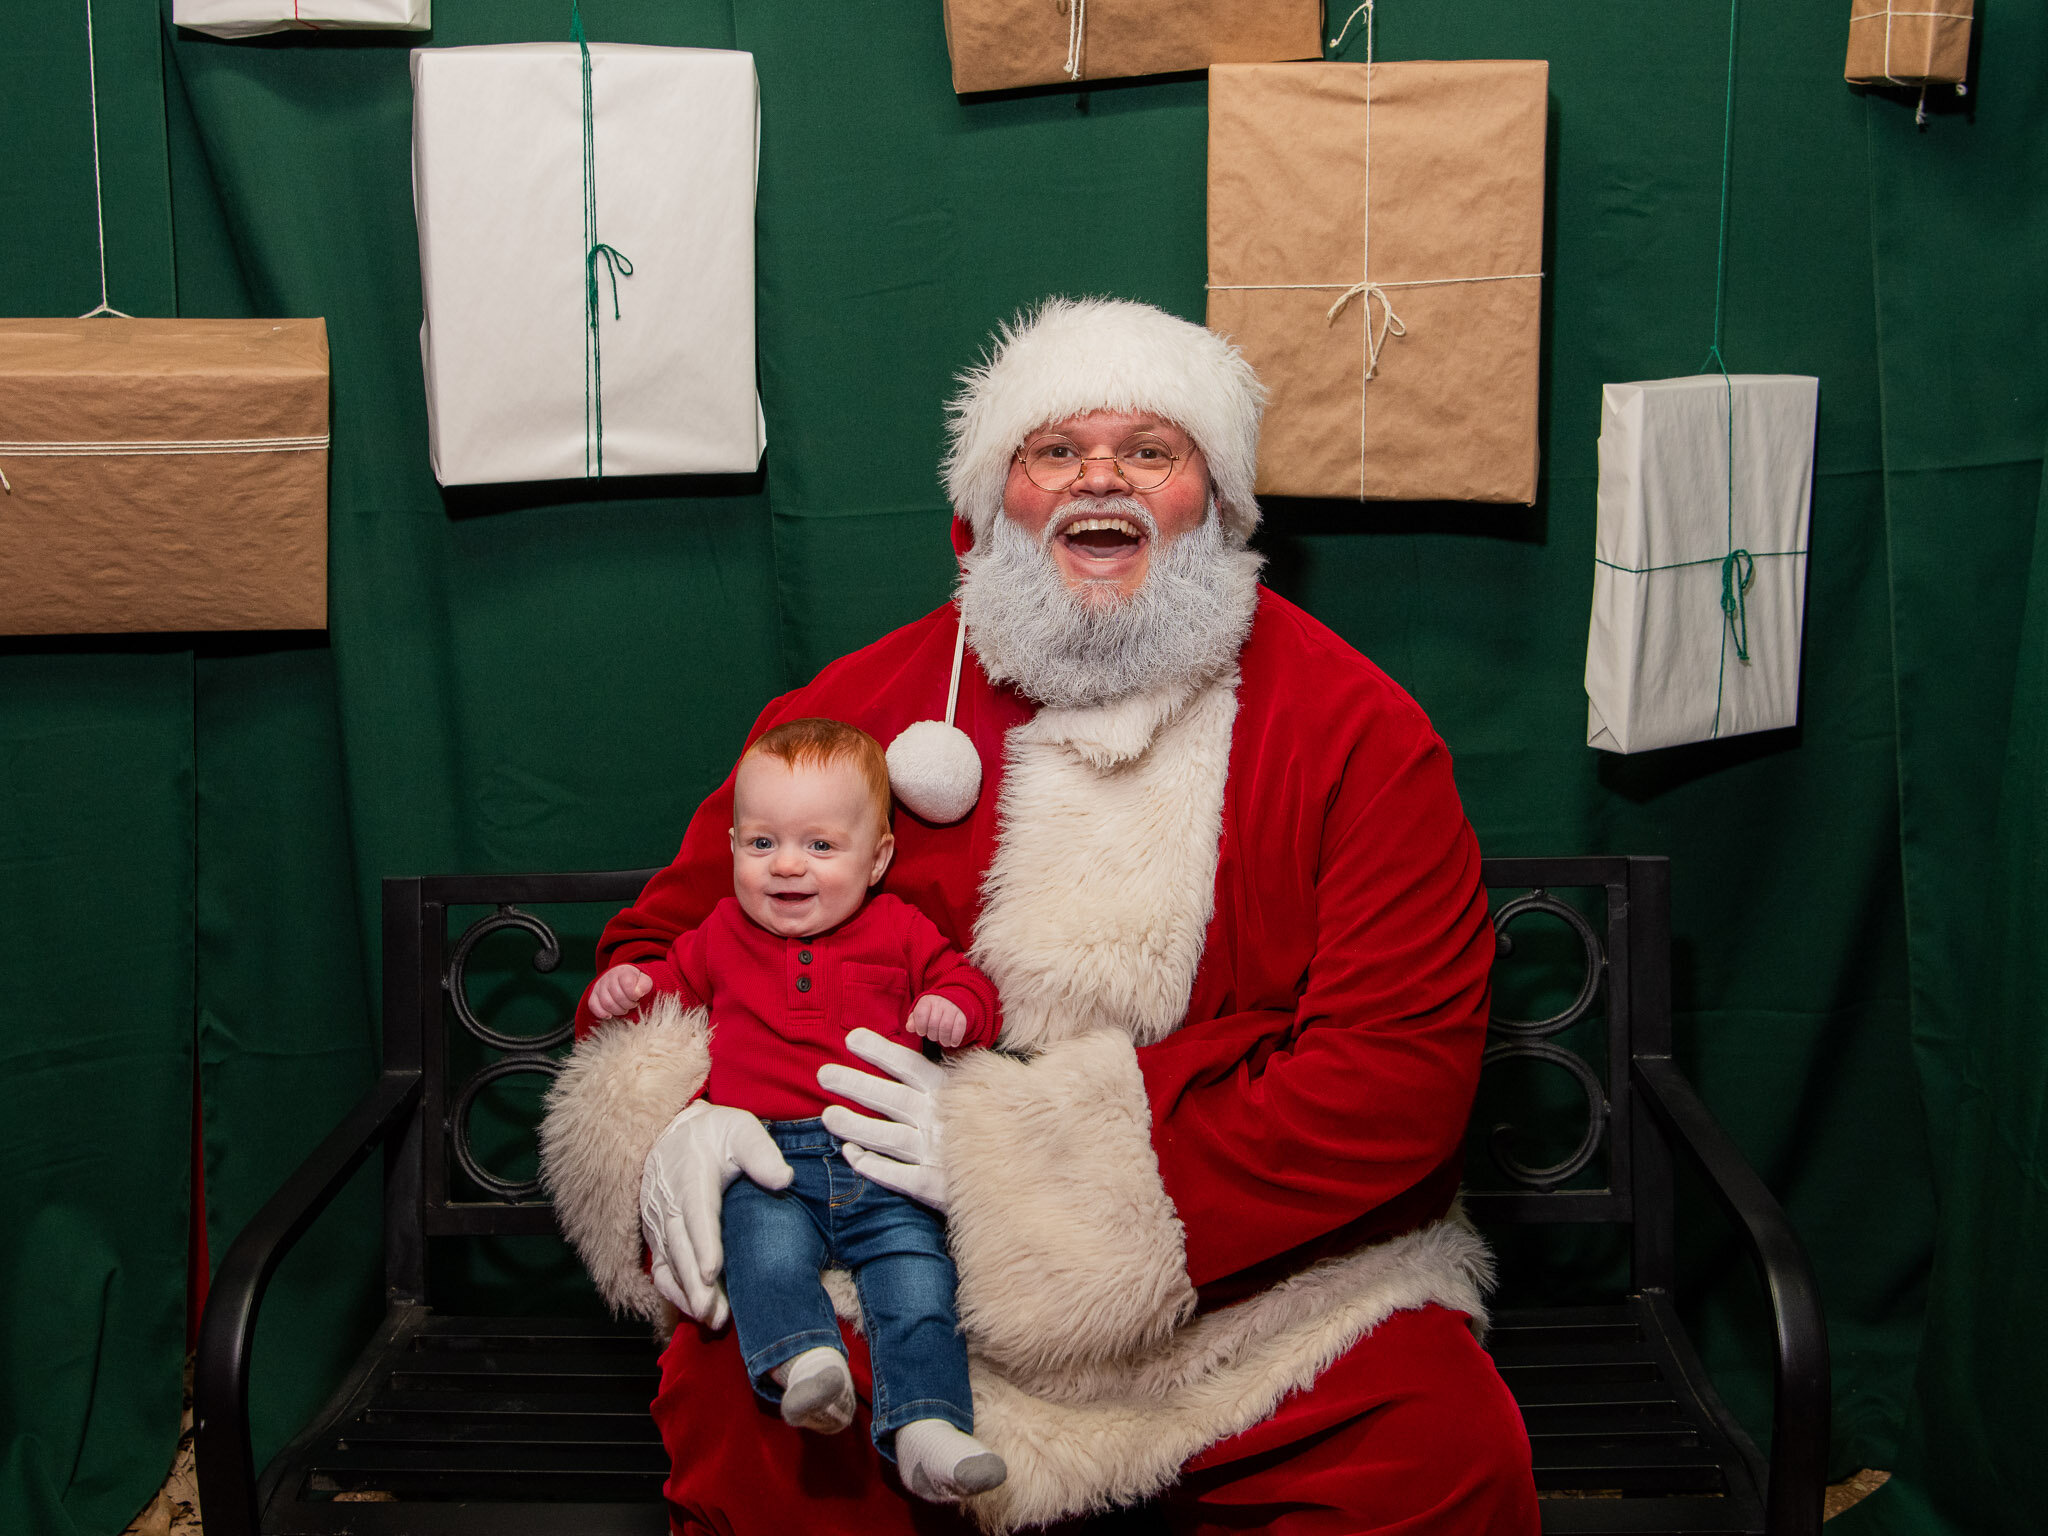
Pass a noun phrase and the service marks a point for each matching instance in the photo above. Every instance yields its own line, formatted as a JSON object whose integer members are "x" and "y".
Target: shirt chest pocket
{"x": 876, "y": 997}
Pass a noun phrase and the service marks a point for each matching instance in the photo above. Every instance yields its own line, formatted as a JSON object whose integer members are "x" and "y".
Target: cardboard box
{"x": 162, "y": 475}
{"x": 1909, "y": 42}
{"x": 999, "y": 44}
{"x": 1699, "y": 576}
{"x": 1425, "y": 179}
{"x": 525, "y": 380}
{"x": 252, "y": 18}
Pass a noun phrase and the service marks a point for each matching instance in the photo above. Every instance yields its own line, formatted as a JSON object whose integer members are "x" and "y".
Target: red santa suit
{"x": 1203, "y": 1209}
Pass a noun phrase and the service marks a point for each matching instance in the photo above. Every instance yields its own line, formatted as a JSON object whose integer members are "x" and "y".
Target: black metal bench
{"x": 475, "y": 1424}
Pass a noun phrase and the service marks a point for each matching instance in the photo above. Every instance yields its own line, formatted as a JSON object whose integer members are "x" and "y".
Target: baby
{"x": 787, "y": 965}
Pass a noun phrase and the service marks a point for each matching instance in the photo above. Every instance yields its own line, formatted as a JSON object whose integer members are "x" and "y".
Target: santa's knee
{"x": 1465, "y": 1430}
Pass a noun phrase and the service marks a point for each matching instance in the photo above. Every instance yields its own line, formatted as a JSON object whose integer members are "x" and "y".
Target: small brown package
{"x": 1909, "y": 42}
{"x": 997, "y": 44}
{"x": 1443, "y": 284}
{"x": 162, "y": 475}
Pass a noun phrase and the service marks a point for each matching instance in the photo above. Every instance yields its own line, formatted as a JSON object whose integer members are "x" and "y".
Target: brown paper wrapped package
{"x": 1909, "y": 42}
{"x": 998, "y": 44}
{"x": 1456, "y": 247}
{"x": 163, "y": 474}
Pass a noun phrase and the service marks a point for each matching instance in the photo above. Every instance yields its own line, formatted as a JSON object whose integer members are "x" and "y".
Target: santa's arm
{"x": 1094, "y": 1186}
{"x": 1357, "y": 1114}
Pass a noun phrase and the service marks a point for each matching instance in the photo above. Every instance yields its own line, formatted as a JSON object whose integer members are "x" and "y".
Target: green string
{"x": 1720, "y": 560}
{"x": 595, "y": 253}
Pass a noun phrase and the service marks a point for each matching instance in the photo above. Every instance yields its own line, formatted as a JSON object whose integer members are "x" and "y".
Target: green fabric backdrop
{"x": 549, "y": 677}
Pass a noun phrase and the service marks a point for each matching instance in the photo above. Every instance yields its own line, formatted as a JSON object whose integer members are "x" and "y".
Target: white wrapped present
{"x": 1699, "y": 576}
{"x": 587, "y": 271}
{"x": 251, "y": 18}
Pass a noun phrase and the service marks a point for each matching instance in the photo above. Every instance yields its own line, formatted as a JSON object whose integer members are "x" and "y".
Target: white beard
{"x": 1181, "y": 628}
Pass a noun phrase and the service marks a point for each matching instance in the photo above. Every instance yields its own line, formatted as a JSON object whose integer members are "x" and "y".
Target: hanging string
{"x": 596, "y": 254}
{"x": 99, "y": 202}
{"x": 959, "y": 655}
{"x": 1345, "y": 31}
{"x": 1077, "y": 26}
{"x": 1738, "y": 566}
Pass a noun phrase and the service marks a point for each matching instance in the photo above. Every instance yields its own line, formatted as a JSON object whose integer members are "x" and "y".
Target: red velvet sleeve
{"x": 681, "y": 896}
{"x": 682, "y": 971}
{"x": 1345, "y": 1117}
{"x": 936, "y": 966}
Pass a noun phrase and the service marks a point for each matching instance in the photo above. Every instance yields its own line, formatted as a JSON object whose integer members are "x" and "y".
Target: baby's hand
{"x": 618, "y": 991}
{"x": 938, "y": 1018}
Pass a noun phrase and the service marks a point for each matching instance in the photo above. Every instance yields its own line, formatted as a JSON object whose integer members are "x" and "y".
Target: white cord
{"x": 99, "y": 202}
{"x": 1338, "y": 41}
{"x": 959, "y": 652}
{"x": 1076, "y": 24}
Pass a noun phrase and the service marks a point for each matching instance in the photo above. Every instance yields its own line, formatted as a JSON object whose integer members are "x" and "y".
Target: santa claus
{"x": 1203, "y": 1199}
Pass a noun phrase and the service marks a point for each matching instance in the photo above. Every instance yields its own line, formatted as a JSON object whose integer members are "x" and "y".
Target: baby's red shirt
{"x": 781, "y": 1008}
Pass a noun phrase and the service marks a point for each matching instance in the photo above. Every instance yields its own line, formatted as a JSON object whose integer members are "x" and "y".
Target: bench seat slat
{"x": 465, "y": 1424}
{"x": 493, "y": 1456}
{"x": 1643, "y": 1517}
{"x": 583, "y": 1486}
{"x": 512, "y": 1404}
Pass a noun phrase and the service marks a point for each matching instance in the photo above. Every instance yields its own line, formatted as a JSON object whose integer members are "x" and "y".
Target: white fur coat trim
{"x": 1070, "y": 1254}
{"x": 617, "y": 1092}
{"x": 1098, "y": 898}
{"x": 1220, "y": 1375}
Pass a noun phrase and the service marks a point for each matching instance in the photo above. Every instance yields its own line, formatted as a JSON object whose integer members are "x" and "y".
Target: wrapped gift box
{"x": 1700, "y": 557}
{"x": 1424, "y": 180}
{"x": 997, "y": 44}
{"x": 1909, "y": 42}
{"x": 162, "y": 475}
{"x": 251, "y": 18}
{"x": 550, "y": 355}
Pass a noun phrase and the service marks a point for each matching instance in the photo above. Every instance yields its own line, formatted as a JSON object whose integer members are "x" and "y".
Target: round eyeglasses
{"x": 1144, "y": 463}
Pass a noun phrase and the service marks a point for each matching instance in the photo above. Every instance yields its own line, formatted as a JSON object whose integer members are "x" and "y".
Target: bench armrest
{"x": 227, "y": 1331}
{"x": 1800, "y": 1381}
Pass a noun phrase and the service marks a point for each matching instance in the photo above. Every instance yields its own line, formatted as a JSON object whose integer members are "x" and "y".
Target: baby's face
{"x": 806, "y": 844}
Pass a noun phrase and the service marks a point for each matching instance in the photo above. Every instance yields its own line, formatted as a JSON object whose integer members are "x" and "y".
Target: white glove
{"x": 902, "y": 1152}
{"x": 682, "y": 1184}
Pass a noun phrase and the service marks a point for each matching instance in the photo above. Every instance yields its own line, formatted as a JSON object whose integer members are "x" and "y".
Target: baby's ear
{"x": 885, "y": 850}
{"x": 732, "y": 838}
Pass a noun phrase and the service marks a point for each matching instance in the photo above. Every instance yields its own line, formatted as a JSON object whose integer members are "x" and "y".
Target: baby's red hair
{"x": 798, "y": 743}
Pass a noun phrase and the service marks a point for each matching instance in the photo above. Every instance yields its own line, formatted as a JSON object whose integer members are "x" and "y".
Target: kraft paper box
{"x": 1909, "y": 42}
{"x": 162, "y": 475}
{"x": 1442, "y": 216}
{"x": 998, "y": 44}
{"x": 1694, "y": 566}
{"x": 553, "y": 350}
{"x": 251, "y": 18}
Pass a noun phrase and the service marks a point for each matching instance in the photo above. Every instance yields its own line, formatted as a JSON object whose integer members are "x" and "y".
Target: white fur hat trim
{"x": 935, "y": 771}
{"x": 1070, "y": 356}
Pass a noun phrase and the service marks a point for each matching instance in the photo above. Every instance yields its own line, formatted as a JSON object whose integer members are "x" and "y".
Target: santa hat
{"x": 1070, "y": 356}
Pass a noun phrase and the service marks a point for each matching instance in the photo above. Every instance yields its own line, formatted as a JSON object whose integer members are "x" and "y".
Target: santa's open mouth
{"x": 1102, "y": 537}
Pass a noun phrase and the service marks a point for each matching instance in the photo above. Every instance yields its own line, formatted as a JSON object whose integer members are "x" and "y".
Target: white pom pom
{"x": 935, "y": 771}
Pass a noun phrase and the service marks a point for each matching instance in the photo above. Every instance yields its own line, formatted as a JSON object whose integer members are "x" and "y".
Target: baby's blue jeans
{"x": 776, "y": 1242}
